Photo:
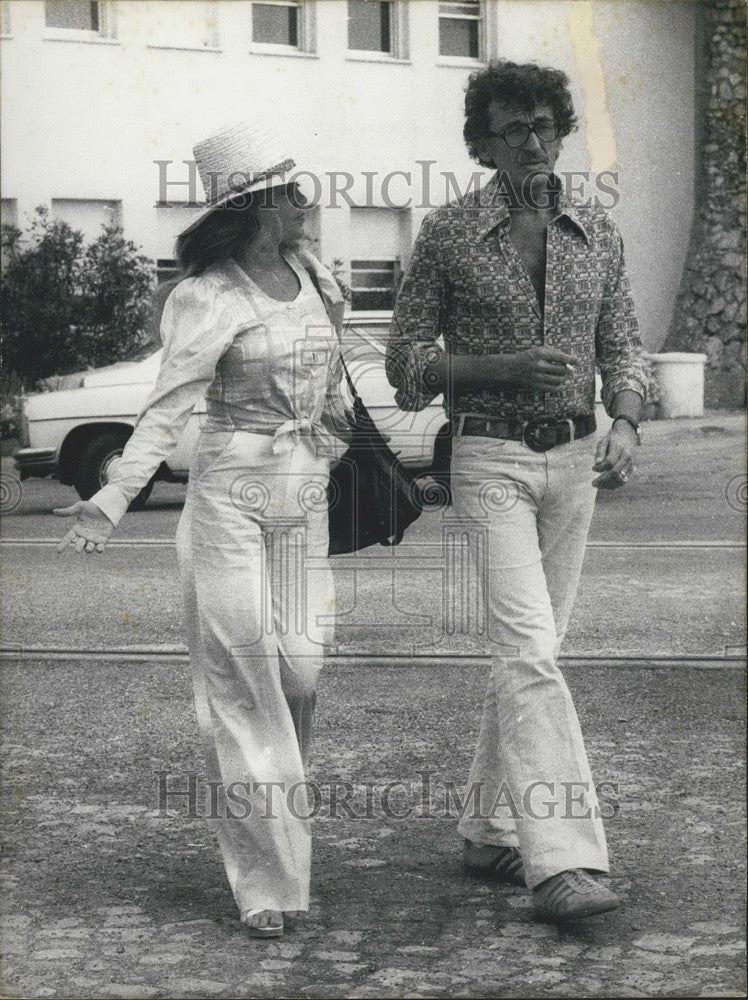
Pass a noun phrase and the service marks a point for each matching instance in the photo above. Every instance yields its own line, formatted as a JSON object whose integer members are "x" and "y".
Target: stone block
{"x": 665, "y": 943}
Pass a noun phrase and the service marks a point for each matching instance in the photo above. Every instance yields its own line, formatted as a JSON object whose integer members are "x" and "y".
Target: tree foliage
{"x": 67, "y": 306}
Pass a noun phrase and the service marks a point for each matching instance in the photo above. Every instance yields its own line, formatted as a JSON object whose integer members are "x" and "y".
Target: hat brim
{"x": 274, "y": 180}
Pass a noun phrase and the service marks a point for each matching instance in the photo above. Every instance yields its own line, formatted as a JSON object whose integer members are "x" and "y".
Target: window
{"x": 191, "y": 25}
{"x": 369, "y": 25}
{"x": 88, "y": 216}
{"x": 75, "y": 15}
{"x": 377, "y": 239}
{"x": 461, "y": 29}
{"x": 283, "y": 26}
{"x": 275, "y": 23}
{"x": 79, "y": 20}
{"x": 166, "y": 269}
{"x": 374, "y": 284}
{"x": 377, "y": 27}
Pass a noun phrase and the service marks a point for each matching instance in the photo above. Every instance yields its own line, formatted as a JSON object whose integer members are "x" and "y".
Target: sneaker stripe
{"x": 573, "y": 893}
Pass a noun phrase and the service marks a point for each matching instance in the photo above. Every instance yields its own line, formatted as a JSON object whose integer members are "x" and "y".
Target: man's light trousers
{"x": 528, "y": 514}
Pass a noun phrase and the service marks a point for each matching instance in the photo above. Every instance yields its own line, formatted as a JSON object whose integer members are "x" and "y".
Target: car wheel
{"x": 93, "y": 467}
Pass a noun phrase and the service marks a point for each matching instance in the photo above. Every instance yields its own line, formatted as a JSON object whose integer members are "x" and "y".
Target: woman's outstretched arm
{"x": 197, "y": 326}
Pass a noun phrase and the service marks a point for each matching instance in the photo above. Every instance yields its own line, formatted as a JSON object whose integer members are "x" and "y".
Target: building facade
{"x": 102, "y": 102}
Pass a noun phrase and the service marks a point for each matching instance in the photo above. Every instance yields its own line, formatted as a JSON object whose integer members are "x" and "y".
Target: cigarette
{"x": 570, "y": 367}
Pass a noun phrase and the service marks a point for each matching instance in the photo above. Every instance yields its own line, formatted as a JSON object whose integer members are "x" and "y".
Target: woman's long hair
{"x": 220, "y": 235}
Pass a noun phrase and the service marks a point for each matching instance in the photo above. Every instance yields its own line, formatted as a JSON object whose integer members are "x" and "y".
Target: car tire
{"x": 93, "y": 463}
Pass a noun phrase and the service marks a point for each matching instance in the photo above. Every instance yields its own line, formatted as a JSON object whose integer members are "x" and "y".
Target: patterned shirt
{"x": 467, "y": 284}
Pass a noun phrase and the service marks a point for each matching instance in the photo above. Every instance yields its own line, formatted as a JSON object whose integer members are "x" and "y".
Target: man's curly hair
{"x": 522, "y": 85}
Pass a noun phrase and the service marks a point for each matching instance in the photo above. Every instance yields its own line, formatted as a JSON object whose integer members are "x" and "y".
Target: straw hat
{"x": 237, "y": 159}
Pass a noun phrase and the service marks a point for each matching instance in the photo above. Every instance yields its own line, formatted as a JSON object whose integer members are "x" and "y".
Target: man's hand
{"x": 540, "y": 369}
{"x": 91, "y": 530}
{"x": 615, "y": 457}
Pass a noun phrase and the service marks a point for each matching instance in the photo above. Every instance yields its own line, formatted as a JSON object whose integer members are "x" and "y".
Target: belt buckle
{"x": 540, "y": 433}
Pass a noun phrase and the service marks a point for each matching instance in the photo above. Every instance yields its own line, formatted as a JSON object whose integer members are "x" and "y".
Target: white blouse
{"x": 263, "y": 365}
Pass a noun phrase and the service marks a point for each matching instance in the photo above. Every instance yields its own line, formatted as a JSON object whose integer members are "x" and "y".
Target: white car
{"x": 75, "y": 434}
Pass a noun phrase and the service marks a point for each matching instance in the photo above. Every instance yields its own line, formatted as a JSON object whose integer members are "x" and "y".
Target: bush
{"x": 10, "y": 418}
{"x": 67, "y": 307}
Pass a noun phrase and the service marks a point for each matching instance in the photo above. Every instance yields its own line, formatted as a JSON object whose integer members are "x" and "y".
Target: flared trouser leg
{"x": 255, "y": 586}
{"x": 530, "y": 778}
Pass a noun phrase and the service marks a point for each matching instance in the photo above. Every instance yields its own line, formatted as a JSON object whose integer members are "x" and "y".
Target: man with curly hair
{"x": 528, "y": 290}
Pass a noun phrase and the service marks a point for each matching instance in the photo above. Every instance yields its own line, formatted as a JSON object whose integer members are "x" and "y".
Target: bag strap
{"x": 349, "y": 380}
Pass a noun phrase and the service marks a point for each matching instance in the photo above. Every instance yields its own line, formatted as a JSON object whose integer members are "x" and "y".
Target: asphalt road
{"x": 664, "y": 573}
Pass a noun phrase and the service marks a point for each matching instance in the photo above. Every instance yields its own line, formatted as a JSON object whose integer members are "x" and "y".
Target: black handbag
{"x": 372, "y": 498}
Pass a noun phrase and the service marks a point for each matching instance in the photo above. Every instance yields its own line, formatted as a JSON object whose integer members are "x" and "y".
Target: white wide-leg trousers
{"x": 258, "y": 599}
{"x": 531, "y": 512}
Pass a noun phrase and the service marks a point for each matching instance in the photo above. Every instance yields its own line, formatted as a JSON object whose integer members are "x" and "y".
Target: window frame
{"x": 212, "y": 33}
{"x": 306, "y": 27}
{"x": 167, "y": 268}
{"x": 395, "y": 249}
{"x": 397, "y": 273}
{"x": 111, "y": 206}
{"x": 482, "y": 20}
{"x": 106, "y": 34}
{"x": 399, "y": 51}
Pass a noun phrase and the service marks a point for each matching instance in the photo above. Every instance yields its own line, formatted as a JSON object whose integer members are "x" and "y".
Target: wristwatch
{"x": 632, "y": 423}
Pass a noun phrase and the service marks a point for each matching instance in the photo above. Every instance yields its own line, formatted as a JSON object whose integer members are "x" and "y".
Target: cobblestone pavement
{"x": 104, "y": 896}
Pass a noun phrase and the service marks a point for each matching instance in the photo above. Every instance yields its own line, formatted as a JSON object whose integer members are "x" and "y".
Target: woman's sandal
{"x": 249, "y": 919}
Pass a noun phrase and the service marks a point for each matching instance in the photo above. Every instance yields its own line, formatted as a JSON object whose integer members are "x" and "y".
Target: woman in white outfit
{"x": 252, "y": 328}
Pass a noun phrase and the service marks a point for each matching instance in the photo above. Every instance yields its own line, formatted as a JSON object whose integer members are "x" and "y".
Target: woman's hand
{"x": 91, "y": 530}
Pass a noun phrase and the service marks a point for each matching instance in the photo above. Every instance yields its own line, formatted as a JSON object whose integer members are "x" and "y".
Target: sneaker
{"x": 499, "y": 864}
{"x": 570, "y": 895}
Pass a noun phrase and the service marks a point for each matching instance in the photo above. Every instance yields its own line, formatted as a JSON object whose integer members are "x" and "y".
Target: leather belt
{"x": 539, "y": 434}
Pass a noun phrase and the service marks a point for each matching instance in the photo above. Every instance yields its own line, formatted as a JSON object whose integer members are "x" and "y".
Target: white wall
{"x": 646, "y": 52}
{"x": 648, "y": 56}
{"x": 87, "y": 120}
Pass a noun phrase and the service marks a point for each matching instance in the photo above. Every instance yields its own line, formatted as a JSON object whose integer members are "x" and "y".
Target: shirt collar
{"x": 495, "y": 212}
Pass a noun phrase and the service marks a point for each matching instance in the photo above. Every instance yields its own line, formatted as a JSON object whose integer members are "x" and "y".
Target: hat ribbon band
{"x": 251, "y": 179}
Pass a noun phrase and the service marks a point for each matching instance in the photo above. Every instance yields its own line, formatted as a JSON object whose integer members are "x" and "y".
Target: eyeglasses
{"x": 516, "y": 135}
